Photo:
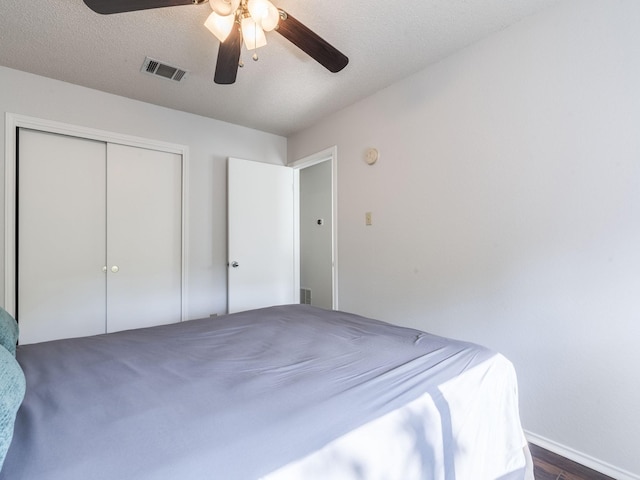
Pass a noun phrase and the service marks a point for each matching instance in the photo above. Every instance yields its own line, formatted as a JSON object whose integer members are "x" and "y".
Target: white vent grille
{"x": 163, "y": 70}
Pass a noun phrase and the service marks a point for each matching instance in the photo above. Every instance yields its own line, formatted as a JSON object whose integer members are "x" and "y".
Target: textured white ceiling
{"x": 285, "y": 90}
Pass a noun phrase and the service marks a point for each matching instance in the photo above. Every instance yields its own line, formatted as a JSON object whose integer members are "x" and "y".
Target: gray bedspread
{"x": 230, "y": 397}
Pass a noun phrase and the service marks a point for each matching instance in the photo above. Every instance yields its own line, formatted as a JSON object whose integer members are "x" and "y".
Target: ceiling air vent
{"x": 164, "y": 70}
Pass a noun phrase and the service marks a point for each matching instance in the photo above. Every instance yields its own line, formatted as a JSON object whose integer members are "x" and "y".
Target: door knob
{"x": 115, "y": 269}
{"x": 235, "y": 264}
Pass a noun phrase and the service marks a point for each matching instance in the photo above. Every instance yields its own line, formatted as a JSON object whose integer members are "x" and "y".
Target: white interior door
{"x": 61, "y": 236}
{"x": 260, "y": 235}
{"x": 144, "y": 249}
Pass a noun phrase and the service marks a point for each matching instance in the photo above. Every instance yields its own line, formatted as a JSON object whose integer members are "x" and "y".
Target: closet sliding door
{"x": 61, "y": 236}
{"x": 144, "y": 218}
{"x": 99, "y": 237}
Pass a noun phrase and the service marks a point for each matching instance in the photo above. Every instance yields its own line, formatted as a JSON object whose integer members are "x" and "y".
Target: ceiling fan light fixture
{"x": 267, "y": 17}
{"x": 264, "y": 13}
{"x": 220, "y": 25}
{"x": 224, "y": 7}
{"x": 253, "y": 34}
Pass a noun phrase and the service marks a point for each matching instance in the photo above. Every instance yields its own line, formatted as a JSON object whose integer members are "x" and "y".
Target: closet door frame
{"x": 15, "y": 121}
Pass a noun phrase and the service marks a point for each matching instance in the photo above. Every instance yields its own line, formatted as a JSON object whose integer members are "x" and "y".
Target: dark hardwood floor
{"x": 550, "y": 466}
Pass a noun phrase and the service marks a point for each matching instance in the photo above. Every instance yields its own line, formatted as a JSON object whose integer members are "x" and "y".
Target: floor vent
{"x": 163, "y": 70}
{"x": 305, "y": 296}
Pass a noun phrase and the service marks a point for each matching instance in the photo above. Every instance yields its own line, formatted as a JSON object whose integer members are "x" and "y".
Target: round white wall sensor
{"x": 371, "y": 156}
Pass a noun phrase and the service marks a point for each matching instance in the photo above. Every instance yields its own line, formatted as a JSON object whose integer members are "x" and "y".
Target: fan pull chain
{"x": 255, "y": 42}
{"x": 240, "y": 62}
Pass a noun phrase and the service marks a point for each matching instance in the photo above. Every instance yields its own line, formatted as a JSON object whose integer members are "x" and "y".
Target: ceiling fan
{"x": 233, "y": 21}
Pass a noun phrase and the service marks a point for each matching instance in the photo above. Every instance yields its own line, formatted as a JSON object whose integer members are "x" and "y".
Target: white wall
{"x": 506, "y": 211}
{"x": 210, "y": 142}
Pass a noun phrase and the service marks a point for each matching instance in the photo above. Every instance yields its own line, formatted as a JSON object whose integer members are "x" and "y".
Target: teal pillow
{"x": 8, "y": 331}
{"x": 12, "y": 389}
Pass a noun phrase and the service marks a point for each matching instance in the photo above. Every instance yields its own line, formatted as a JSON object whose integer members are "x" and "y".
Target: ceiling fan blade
{"x": 107, "y": 7}
{"x": 228, "y": 58}
{"x": 310, "y": 43}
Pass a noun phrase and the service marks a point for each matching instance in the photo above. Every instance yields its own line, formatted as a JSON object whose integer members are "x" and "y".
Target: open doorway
{"x": 315, "y": 185}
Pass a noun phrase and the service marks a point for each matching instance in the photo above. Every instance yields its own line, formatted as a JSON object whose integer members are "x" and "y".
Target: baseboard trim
{"x": 580, "y": 458}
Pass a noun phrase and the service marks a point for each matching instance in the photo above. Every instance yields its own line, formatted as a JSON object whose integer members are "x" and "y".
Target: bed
{"x": 281, "y": 393}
